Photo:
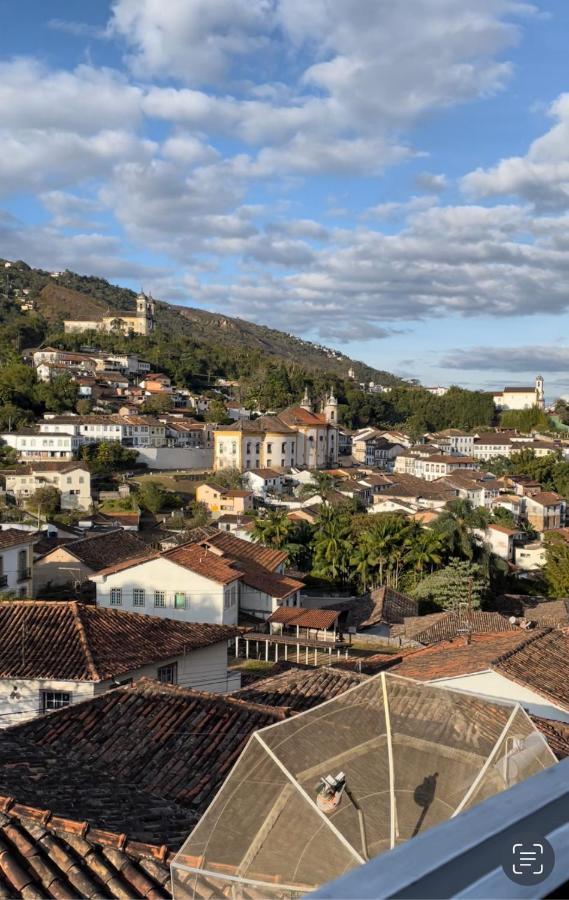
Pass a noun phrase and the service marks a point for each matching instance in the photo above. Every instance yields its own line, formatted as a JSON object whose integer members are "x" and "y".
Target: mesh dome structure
{"x": 412, "y": 756}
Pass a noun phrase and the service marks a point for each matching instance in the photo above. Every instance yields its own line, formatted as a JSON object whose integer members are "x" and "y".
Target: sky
{"x": 391, "y": 179}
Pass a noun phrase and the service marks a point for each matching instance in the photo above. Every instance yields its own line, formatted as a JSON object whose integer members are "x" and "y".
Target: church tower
{"x": 540, "y": 391}
{"x": 331, "y": 409}
{"x": 145, "y": 311}
{"x": 305, "y": 403}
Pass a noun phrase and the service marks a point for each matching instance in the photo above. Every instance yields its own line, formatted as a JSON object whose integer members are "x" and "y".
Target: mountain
{"x": 61, "y": 295}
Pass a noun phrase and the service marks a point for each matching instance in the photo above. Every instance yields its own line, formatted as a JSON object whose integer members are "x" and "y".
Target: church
{"x": 128, "y": 321}
{"x": 521, "y": 397}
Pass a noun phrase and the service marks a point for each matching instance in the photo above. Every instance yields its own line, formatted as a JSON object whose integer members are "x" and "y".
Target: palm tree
{"x": 363, "y": 560}
{"x": 321, "y": 484}
{"x": 387, "y": 535}
{"x": 272, "y": 529}
{"x": 332, "y": 544}
{"x": 425, "y": 552}
{"x": 455, "y": 525}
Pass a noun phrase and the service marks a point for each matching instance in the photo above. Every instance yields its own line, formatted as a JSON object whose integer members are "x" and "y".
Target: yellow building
{"x": 297, "y": 436}
{"x": 129, "y": 321}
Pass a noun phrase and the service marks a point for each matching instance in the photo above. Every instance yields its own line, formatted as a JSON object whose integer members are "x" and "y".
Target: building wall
{"x": 75, "y": 486}
{"x": 204, "y": 669}
{"x": 495, "y": 686}
{"x": 205, "y": 599}
{"x": 531, "y": 557}
{"x": 10, "y": 581}
{"x": 58, "y": 568}
{"x": 176, "y": 457}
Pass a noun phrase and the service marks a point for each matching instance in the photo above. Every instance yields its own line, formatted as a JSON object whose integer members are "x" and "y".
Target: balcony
{"x": 24, "y": 574}
{"x": 463, "y": 857}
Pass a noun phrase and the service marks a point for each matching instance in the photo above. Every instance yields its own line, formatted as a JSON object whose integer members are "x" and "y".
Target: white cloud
{"x": 541, "y": 176}
{"x": 428, "y": 181}
{"x": 532, "y": 358}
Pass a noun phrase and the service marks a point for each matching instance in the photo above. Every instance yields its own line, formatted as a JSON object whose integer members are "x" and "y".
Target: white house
{"x": 263, "y": 481}
{"x": 521, "y": 397}
{"x": 72, "y": 480}
{"x": 16, "y": 563}
{"x": 131, "y": 431}
{"x": 55, "y": 654}
{"x": 205, "y": 580}
{"x": 531, "y": 557}
{"x": 48, "y": 444}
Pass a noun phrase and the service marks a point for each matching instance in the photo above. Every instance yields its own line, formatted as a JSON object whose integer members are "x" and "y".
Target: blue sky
{"x": 390, "y": 179}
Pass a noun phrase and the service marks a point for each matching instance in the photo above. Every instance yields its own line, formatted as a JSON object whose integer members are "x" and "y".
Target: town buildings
{"x": 219, "y": 500}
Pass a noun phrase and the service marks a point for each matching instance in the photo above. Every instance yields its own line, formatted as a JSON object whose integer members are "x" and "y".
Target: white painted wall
{"x": 10, "y": 569}
{"x": 176, "y": 457}
{"x": 204, "y": 670}
{"x": 204, "y": 598}
{"x": 494, "y": 685}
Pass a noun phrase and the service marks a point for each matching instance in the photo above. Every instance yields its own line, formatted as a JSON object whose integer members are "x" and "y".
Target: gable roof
{"x": 298, "y": 415}
{"x": 97, "y": 551}
{"x": 144, "y": 760}
{"x": 199, "y": 560}
{"x": 300, "y": 689}
{"x": 449, "y": 659}
{"x": 541, "y": 663}
{"x": 447, "y": 625}
{"x": 382, "y": 605}
{"x": 71, "y": 641}
{"x": 245, "y": 550}
{"x": 38, "y": 466}
{"x": 305, "y": 618}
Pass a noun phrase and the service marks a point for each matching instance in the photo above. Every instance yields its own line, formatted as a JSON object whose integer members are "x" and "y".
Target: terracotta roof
{"x": 202, "y": 562}
{"x": 44, "y": 855}
{"x": 306, "y": 618}
{"x": 144, "y": 760}
{"x": 49, "y": 466}
{"x": 98, "y": 551}
{"x": 277, "y": 586}
{"x": 11, "y": 537}
{"x": 383, "y": 604}
{"x": 71, "y": 641}
{"x": 297, "y": 415}
{"x": 546, "y": 498}
{"x": 300, "y": 689}
{"x": 448, "y": 625}
{"x": 556, "y": 734}
{"x": 239, "y": 549}
{"x": 503, "y": 530}
{"x": 448, "y": 659}
{"x": 540, "y": 663}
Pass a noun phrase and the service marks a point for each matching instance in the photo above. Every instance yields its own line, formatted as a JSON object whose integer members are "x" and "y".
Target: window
{"x": 159, "y": 598}
{"x": 269, "y": 448}
{"x": 257, "y": 447}
{"x": 283, "y": 448}
{"x": 55, "y": 700}
{"x": 116, "y": 596}
{"x": 248, "y": 447}
{"x": 138, "y": 597}
{"x": 168, "y": 674}
{"x": 179, "y": 601}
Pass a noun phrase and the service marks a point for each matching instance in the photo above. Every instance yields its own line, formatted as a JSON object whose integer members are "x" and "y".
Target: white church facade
{"x": 521, "y": 397}
{"x": 139, "y": 321}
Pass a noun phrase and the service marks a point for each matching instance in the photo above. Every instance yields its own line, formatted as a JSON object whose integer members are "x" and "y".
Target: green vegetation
{"x": 45, "y": 501}
{"x": 459, "y": 583}
{"x": 107, "y": 457}
{"x": 552, "y": 471}
{"x": 526, "y": 420}
{"x": 556, "y": 570}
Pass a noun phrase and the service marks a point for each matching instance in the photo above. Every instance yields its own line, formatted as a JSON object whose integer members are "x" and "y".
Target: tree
{"x": 216, "y": 412}
{"x": 83, "y": 406}
{"x": 321, "y": 484}
{"x": 556, "y": 569}
{"x": 455, "y": 526}
{"x": 230, "y": 478}
{"x": 8, "y": 456}
{"x": 526, "y": 420}
{"x": 157, "y": 405}
{"x": 426, "y": 551}
{"x": 107, "y": 457}
{"x": 332, "y": 544}
{"x": 59, "y": 394}
{"x": 272, "y": 528}
{"x": 459, "y": 585}
{"x": 151, "y": 496}
{"x": 45, "y": 501}
{"x": 503, "y": 516}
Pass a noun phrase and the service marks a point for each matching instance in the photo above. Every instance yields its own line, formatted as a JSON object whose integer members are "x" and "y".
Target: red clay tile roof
{"x": 144, "y": 760}
{"x": 556, "y": 734}
{"x": 48, "y": 466}
{"x": 272, "y": 583}
{"x": 446, "y": 626}
{"x": 540, "y": 663}
{"x": 297, "y": 415}
{"x": 101, "y": 550}
{"x": 11, "y": 537}
{"x": 305, "y": 618}
{"x": 452, "y": 658}
{"x": 199, "y": 560}
{"x": 239, "y": 549}
{"x": 546, "y": 498}
{"x": 300, "y": 689}
{"x": 44, "y": 855}
{"x": 71, "y": 641}
{"x": 383, "y": 604}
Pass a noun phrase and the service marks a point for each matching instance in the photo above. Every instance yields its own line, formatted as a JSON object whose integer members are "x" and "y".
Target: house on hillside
{"x": 545, "y": 510}
{"x": 219, "y": 500}
{"x": 16, "y": 563}
{"x": 72, "y": 480}
{"x": 55, "y": 654}
{"x": 264, "y": 481}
